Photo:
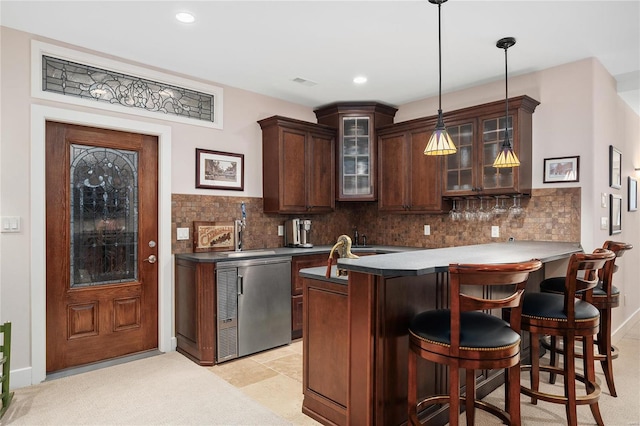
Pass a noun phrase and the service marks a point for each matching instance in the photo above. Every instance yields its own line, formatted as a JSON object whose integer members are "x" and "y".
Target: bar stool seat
{"x": 605, "y": 297}
{"x": 565, "y": 316}
{"x": 465, "y": 337}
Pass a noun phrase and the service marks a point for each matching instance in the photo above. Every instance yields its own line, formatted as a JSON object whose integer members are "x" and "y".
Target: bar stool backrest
{"x": 582, "y": 276}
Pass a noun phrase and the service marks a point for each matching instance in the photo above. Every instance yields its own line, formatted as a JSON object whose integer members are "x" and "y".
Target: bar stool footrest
{"x": 481, "y": 405}
{"x": 590, "y": 398}
{"x": 545, "y": 343}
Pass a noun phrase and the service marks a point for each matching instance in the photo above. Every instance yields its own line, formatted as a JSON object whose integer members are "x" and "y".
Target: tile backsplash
{"x": 550, "y": 215}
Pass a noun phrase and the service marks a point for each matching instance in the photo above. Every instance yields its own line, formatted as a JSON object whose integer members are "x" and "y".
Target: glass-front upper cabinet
{"x": 356, "y": 157}
{"x": 459, "y": 166}
{"x": 478, "y": 133}
{"x": 356, "y": 122}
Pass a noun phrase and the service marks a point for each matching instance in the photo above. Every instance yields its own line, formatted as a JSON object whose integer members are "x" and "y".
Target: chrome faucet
{"x": 238, "y": 229}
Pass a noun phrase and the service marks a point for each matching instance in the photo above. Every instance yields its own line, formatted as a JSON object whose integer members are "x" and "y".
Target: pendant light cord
{"x": 440, "y": 63}
{"x": 506, "y": 95}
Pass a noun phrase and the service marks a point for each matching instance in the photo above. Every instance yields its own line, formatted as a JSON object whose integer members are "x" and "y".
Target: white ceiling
{"x": 261, "y": 46}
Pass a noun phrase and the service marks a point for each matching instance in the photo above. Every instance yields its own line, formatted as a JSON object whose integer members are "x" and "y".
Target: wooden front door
{"x": 101, "y": 243}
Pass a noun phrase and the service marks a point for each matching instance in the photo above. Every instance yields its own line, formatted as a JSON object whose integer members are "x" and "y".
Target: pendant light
{"x": 506, "y": 157}
{"x": 440, "y": 142}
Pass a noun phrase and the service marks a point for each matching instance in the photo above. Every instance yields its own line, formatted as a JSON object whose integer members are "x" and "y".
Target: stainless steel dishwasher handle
{"x": 240, "y": 285}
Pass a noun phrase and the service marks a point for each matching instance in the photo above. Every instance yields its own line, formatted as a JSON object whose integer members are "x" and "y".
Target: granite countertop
{"x": 319, "y": 273}
{"x": 217, "y": 256}
{"x": 420, "y": 262}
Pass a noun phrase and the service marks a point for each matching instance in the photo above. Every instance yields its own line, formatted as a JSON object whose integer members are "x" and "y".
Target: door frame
{"x": 39, "y": 115}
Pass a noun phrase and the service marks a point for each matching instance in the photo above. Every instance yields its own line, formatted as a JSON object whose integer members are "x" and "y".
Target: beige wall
{"x": 580, "y": 114}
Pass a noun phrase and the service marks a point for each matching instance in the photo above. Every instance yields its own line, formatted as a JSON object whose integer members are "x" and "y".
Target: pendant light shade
{"x": 440, "y": 143}
{"x": 506, "y": 157}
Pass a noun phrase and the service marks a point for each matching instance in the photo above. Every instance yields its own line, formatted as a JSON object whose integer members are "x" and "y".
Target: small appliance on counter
{"x": 297, "y": 233}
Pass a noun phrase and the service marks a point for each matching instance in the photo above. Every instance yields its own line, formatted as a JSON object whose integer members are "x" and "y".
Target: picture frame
{"x": 615, "y": 167}
{"x": 219, "y": 170}
{"x": 615, "y": 214}
{"x": 561, "y": 169}
{"x": 213, "y": 236}
{"x": 633, "y": 194}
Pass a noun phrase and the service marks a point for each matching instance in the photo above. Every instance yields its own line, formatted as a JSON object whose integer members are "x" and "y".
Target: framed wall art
{"x": 562, "y": 169}
{"x": 219, "y": 170}
{"x": 615, "y": 167}
{"x": 213, "y": 236}
{"x": 633, "y": 194}
{"x": 615, "y": 214}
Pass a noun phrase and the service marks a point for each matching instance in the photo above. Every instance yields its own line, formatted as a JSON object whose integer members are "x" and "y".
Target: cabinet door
{"x": 293, "y": 196}
{"x": 460, "y": 176}
{"x": 496, "y": 180}
{"x": 320, "y": 184}
{"x": 392, "y": 172}
{"x": 355, "y": 171}
{"x": 425, "y": 194}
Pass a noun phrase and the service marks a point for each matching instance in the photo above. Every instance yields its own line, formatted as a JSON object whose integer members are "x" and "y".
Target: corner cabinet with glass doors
{"x": 478, "y": 133}
{"x": 356, "y": 146}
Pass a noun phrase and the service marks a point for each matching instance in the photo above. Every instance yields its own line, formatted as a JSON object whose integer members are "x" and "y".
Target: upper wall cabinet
{"x": 356, "y": 148}
{"x": 408, "y": 180}
{"x": 478, "y": 133}
{"x": 298, "y": 166}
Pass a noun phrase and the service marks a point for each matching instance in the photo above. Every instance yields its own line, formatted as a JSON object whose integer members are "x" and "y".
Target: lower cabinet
{"x": 325, "y": 351}
{"x": 297, "y": 263}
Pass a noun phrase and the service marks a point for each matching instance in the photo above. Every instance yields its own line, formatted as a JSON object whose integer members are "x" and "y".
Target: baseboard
{"x": 20, "y": 378}
{"x": 619, "y": 332}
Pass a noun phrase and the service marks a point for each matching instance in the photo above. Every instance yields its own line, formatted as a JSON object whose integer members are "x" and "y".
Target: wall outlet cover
{"x": 495, "y": 231}
{"x": 182, "y": 233}
{"x": 427, "y": 230}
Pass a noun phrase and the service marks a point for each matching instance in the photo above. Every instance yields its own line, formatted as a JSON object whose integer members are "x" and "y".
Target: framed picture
{"x": 615, "y": 164}
{"x": 212, "y": 236}
{"x": 615, "y": 214}
{"x": 219, "y": 170}
{"x": 562, "y": 169}
{"x": 633, "y": 194}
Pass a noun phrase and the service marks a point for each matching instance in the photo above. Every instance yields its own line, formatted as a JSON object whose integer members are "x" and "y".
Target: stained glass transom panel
{"x": 88, "y": 82}
{"x": 104, "y": 216}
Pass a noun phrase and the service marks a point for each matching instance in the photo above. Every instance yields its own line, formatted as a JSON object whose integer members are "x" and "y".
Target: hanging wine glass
{"x": 499, "y": 208}
{"x": 483, "y": 214}
{"x": 455, "y": 214}
{"x": 469, "y": 212}
{"x": 516, "y": 209}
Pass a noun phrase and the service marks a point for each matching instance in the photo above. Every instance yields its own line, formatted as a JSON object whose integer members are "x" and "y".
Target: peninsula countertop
{"x": 421, "y": 262}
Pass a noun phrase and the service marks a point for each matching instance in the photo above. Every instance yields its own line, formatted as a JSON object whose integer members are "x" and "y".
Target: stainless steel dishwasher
{"x": 253, "y": 306}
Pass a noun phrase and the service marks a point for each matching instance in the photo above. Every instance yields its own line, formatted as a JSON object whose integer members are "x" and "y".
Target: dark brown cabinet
{"x": 297, "y": 263}
{"x": 478, "y": 133}
{"x": 356, "y": 146}
{"x": 298, "y": 166}
{"x": 408, "y": 180}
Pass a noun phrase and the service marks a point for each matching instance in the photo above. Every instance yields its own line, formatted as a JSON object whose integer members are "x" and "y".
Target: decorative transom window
{"x": 79, "y": 78}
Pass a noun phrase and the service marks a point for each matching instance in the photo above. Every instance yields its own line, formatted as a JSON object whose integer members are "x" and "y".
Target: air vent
{"x": 304, "y": 82}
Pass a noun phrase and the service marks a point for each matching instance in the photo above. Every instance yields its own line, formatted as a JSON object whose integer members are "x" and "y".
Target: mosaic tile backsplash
{"x": 549, "y": 215}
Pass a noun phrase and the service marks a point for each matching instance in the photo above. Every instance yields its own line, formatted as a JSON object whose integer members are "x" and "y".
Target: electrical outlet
{"x": 495, "y": 231}
{"x": 603, "y": 200}
{"x": 604, "y": 223}
{"x": 280, "y": 230}
{"x": 427, "y": 230}
{"x": 182, "y": 234}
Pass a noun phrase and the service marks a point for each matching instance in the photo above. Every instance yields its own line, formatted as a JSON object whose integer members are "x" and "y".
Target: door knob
{"x": 151, "y": 259}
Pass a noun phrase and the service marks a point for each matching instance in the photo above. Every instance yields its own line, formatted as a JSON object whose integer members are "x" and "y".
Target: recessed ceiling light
{"x": 185, "y": 17}
{"x": 361, "y": 79}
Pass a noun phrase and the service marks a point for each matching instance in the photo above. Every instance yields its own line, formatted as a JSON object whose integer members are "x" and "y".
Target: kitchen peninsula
{"x": 355, "y": 329}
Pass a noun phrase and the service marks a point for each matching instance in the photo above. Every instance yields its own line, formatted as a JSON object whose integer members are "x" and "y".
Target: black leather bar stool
{"x": 465, "y": 337}
{"x": 567, "y": 317}
{"x": 605, "y": 297}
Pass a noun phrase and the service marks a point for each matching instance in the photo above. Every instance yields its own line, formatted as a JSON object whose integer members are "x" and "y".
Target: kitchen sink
{"x": 246, "y": 253}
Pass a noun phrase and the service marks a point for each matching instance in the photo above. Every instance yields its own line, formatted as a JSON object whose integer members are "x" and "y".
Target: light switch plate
{"x": 427, "y": 230}
{"x": 182, "y": 234}
{"x": 603, "y": 200}
{"x": 604, "y": 223}
{"x": 280, "y": 230}
{"x": 10, "y": 224}
{"x": 495, "y": 231}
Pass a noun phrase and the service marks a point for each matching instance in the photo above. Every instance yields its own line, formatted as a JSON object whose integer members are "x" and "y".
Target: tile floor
{"x": 272, "y": 378}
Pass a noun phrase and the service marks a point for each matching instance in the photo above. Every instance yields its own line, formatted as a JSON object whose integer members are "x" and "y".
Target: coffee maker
{"x": 297, "y": 233}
